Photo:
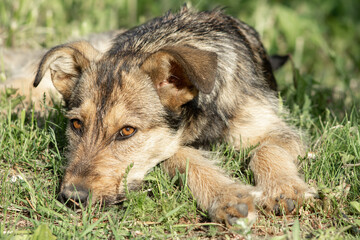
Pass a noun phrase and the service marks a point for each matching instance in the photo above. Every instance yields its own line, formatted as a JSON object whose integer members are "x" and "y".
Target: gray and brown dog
{"x": 165, "y": 90}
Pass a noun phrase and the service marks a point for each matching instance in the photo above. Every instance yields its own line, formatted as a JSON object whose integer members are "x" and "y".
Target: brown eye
{"x": 126, "y": 132}
{"x": 76, "y": 125}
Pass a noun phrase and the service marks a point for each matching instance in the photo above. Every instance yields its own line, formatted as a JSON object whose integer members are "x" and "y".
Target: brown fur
{"x": 176, "y": 84}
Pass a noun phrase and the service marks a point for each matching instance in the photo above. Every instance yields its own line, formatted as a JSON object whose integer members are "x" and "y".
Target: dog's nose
{"x": 74, "y": 194}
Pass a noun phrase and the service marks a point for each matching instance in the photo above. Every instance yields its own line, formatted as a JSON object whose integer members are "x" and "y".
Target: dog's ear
{"x": 179, "y": 73}
{"x": 66, "y": 63}
{"x": 277, "y": 61}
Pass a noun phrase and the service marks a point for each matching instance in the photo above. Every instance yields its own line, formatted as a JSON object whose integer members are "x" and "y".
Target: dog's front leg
{"x": 274, "y": 160}
{"x": 225, "y": 200}
{"x": 274, "y": 164}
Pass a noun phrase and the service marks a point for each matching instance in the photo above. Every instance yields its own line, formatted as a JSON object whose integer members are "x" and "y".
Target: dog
{"x": 163, "y": 93}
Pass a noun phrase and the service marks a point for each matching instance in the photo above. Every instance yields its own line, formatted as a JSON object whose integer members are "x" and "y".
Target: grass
{"x": 321, "y": 89}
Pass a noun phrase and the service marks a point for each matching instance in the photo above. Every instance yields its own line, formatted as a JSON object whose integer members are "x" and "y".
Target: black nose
{"x": 74, "y": 195}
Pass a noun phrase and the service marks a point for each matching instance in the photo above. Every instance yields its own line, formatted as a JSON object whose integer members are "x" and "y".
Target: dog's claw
{"x": 290, "y": 205}
{"x": 243, "y": 209}
{"x": 277, "y": 209}
{"x": 234, "y": 203}
{"x": 232, "y": 220}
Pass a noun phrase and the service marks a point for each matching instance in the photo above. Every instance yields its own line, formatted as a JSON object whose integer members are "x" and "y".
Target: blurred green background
{"x": 322, "y": 36}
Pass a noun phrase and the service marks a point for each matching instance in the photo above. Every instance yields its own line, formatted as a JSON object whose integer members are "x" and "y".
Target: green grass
{"x": 321, "y": 90}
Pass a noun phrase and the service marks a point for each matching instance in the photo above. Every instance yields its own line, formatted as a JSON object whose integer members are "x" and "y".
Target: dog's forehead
{"x": 111, "y": 72}
{"x": 114, "y": 94}
{"x": 116, "y": 82}
{"x": 105, "y": 79}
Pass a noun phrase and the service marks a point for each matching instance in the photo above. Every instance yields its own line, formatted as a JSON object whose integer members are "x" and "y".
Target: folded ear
{"x": 180, "y": 73}
{"x": 66, "y": 63}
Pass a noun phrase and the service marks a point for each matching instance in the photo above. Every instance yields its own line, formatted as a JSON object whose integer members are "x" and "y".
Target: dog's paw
{"x": 284, "y": 199}
{"x": 234, "y": 203}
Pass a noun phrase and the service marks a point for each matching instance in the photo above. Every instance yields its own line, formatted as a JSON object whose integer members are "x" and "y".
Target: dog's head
{"x": 124, "y": 111}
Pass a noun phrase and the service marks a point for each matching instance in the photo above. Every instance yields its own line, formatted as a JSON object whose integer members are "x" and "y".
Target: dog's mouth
{"x": 78, "y": 203}
{"x": 79, "y": 196}
{"x": 114, "y": 200}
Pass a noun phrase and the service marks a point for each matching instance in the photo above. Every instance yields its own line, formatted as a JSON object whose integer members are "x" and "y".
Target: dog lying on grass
{"x": 163, "y": 92}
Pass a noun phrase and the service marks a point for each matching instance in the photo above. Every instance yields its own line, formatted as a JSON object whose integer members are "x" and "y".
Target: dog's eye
{"x": 126, "y": 132}
{"x": 76, "y": 125}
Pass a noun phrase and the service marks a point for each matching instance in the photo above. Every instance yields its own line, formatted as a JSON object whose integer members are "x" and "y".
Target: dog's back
{"x": 212, "y": 31}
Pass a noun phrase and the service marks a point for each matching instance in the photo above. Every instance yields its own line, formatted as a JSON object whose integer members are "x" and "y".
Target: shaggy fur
{"x": 162, "y": 92}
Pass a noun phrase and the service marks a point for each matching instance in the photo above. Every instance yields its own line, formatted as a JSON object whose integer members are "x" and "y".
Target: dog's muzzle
{"x": 74, "y": 195}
